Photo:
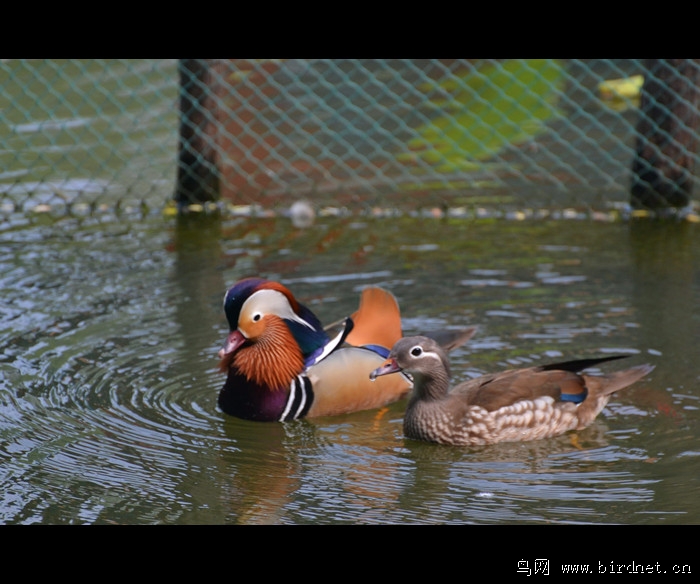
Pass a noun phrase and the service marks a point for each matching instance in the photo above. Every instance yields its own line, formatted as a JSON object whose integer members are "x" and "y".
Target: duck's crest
{"x": 243, "y": 289}
{"x": 236, "y": 295}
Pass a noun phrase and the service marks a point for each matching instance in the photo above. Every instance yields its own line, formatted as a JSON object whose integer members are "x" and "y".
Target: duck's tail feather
{"x": 577, "y": 365}
{"x": 612, "y": 382}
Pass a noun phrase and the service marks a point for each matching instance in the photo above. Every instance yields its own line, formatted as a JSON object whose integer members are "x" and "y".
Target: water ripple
{"x": 108, "y": 382}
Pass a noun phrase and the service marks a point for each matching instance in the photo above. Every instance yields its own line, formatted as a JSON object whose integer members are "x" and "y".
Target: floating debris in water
{"x": 302, "y": 214}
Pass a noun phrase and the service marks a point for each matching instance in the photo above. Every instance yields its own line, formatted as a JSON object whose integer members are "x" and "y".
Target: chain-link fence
{"x": 368, "y": 134}
{"x": 80, "y": 135}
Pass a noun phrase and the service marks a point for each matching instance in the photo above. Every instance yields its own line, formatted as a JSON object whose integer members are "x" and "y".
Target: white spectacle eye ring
{"x": 417, "y": 351}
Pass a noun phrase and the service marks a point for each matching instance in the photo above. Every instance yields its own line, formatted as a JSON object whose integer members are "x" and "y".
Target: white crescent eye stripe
{"x": 424, "y": 353}
{"x": 265, "y": 302}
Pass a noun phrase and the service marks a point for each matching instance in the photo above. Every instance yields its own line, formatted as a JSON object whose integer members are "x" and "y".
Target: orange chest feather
{"x": 273, "y": 358}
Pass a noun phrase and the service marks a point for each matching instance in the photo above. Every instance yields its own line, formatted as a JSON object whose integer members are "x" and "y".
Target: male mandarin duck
{"x": 281, "y": 363}
{"x": 510, "y": 406}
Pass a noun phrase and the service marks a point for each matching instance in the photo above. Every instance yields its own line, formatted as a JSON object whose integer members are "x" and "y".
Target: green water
{"x": 108, "y": 381}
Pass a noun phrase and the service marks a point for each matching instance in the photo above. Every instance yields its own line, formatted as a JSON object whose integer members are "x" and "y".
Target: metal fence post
{"x": 198, "y": 174}
{"x": 667, "y": 134}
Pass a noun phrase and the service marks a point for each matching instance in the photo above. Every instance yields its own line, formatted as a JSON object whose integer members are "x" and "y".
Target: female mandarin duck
{"x": 282, "y": 364}
{"x": 510, "y": 406}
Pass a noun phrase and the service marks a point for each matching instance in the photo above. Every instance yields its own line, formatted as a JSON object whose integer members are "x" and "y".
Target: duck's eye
{"x": 257, "y": 316}
{"x": 416, "y": 351}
